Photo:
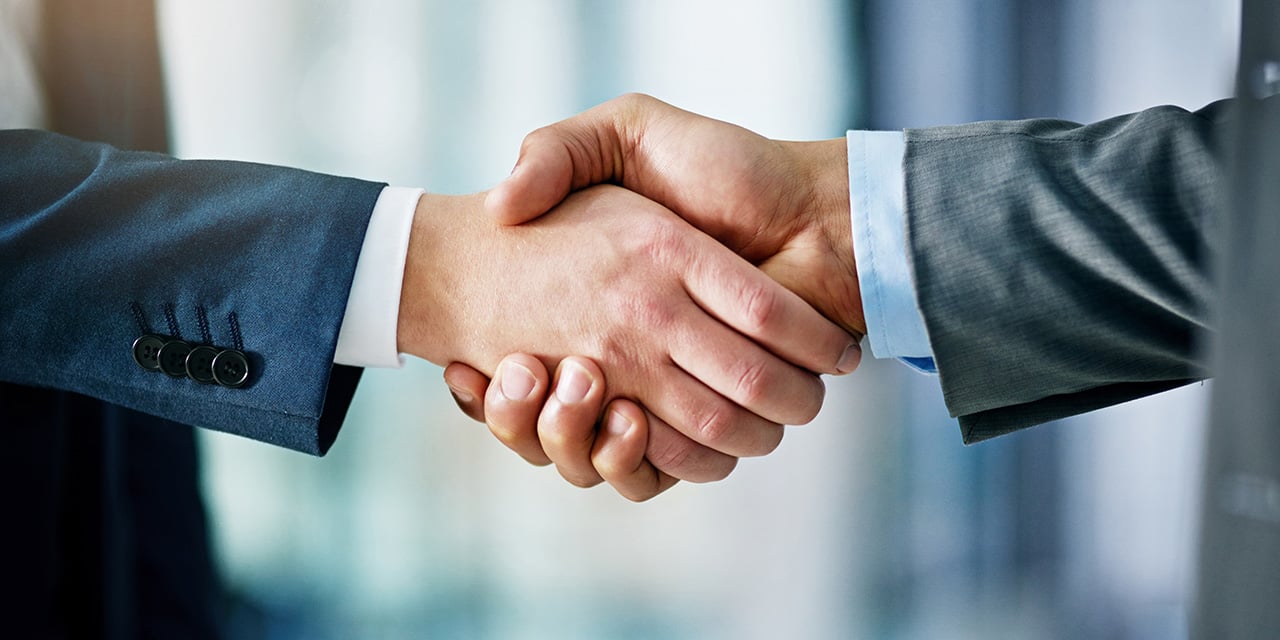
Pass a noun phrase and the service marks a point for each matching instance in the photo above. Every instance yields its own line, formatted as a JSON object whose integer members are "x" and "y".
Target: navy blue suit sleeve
{"x": 99, "y": 245}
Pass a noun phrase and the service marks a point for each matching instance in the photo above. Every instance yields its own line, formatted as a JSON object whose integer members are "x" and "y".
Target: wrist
{"x": 427, "y": 325}
{"x": 824, "y": 167}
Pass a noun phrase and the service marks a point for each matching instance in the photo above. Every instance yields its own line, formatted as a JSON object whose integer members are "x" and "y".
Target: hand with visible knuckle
{"x": 759, "y": 197}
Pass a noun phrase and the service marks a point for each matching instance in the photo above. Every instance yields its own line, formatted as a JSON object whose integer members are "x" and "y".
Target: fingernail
{"x": 849, "y": 361}
{"x": 574, "y": 383}
{"x": 617, "y": 424}
{"x": 462, "y": 397}
{"x": 517, "y": 381}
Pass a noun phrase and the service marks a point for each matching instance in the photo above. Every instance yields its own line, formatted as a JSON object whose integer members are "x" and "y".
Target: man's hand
{"x": 590, "y": 449}
{"x": 676, "y": 321}
{"x": 782, "y": 205}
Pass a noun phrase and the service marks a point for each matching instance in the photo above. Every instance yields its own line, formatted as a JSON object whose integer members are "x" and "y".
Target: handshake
{"x": 686, "y": 280}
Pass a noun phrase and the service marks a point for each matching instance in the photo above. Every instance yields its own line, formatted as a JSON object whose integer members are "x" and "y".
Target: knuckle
{"x": 750, "y": 436}
{"x": 659, "y": 241}
{"x": 753, "y": 382}
{"x": 692, "y": 463}
{"x": 715, "y": 424}
{"x": 651, "y": 312}
{"x": 670, "y": 457}
{"x": 760, "y": 304}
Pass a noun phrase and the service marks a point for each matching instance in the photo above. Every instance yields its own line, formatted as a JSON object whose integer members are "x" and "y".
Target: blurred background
{"x": 871, "y": 522}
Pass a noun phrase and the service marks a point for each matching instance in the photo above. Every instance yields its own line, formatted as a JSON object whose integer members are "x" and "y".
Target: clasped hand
{"x": 686, "y": 313}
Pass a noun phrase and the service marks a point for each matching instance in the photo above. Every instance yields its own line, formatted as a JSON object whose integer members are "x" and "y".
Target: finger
{"x": 710, "y": 419}
{"x": 512, "y": 404}
{"x": 619, "y": 453}
{"x": 542, "y": 177}
{"x": 567, "y": 424}
{"x": 467, "y": 386}
{"x": 745, "y": 373}
{"x": 675, "y": 454}
{"x": 741, "y": 296}
{"x": 589, "y": 148}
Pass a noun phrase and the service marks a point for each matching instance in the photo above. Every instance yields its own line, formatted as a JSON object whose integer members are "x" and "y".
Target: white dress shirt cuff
{"x": 367, "y": 337}
{"x": 895, "y": 326}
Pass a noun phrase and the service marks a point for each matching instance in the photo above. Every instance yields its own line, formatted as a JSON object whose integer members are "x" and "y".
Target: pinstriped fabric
{"x": 1063, "y": 267}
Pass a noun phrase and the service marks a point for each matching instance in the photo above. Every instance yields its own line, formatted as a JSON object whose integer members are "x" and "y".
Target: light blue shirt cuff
{"x": 895, "y": 326}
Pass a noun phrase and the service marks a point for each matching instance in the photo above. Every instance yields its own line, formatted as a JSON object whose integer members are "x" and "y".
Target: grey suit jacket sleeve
{"x": 1061, "y": 268}
{"x": 99, "y": 246}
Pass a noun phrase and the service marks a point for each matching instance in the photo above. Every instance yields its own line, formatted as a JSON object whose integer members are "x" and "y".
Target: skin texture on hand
{"x": 668, "y": 314}
{"x": 782, "y": 205}
{"x": 585, "y": 449}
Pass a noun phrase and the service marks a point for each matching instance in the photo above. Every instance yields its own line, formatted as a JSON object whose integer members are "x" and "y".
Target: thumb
{"x": 542, "y": 177}
{"x": 571, "y": 154}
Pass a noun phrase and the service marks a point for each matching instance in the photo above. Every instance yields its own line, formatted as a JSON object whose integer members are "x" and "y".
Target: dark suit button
{"x": 200, "y": 364}
{"x": 173, "y": 358}
{"x": 231, "y": 368}
{"x": 146, "y": 351}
